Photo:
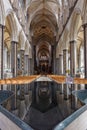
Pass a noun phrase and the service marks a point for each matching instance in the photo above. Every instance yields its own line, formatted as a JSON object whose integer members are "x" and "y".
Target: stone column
{"x": 58, "y": 66}
{"x": 52, "y": 65}
{"x": 14, "y": 70}
{"x": 1, "y": 51}
{"x": 73, "y": 58}
{"x": 5, "y": 58}
{"x": 26, "y": 65}
{"x": 32, "y": 61}
{"x": 22, "y": 86}
{"x": 61, "y": 70}
{"x": 35, "y": 63}
{"x": 65, "y": 67}
{"x": 26, "y": 85}
{"x": 29, "y": 68}
{"x": 8, "y": 60}
{"x": 22, "y": 61}
{"x": 73, "y": 72}
{"x": 14, "y": 58}
{"x": 23, "y": 98}
{"x": 9, "y": 67}
{"x": 65, "y": 61}
{"x": 61, "y": 64}
{"x": 54, "y": 60}
{"x": 85, "y": 50}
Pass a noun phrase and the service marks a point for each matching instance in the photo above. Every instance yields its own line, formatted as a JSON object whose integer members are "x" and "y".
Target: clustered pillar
{"x": 26, "y": 64}
{"x": 29, "y": 66}
{"x": 54, "y": 59}
{"x": 85, "y": 50}
{"x": 14, "y": 69}
{"x": 14, "y": 58}
{"x": 1, "y": 51}
{"x": 22, "y": 69}
{"x": 22, "y": 61}
{"x": 57, "y": 65}
{"x": 65, "y": 68}
{"x": 73, "y": 72}
{"x": 73, "y": 58}
{"x": 61, "y": 71}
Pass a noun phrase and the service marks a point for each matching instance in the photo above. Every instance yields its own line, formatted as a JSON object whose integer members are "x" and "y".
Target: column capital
{"x": 65, "y": 49}
{"x": 22, "y": 50}
{"x": 73, "y": 41}
{"x": 26, "y": 54}
{"x": 57, "y": 58}
{"x": 84, "y": 25}
{"x": 14, "y": 42}
{"x": 60, "y": 54}
{"x": 2, "y": 26}
{"x": 29, "y": 58}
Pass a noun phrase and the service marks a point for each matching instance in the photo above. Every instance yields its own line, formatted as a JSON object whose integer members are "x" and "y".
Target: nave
{"x": 37, "y": 38}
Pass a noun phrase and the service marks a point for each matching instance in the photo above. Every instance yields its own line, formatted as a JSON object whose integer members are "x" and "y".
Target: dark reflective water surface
{"x": 44, "y": 96}
{"x": 48, "y": 107}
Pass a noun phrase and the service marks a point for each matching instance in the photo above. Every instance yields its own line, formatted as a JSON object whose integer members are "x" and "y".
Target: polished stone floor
{"x": 7, "y": 124}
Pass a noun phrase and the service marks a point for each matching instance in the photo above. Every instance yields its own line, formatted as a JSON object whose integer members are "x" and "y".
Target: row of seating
{"x": 19, "y": 80}
{"x": 62, "y": 79}
{"x": 57, "y": 78}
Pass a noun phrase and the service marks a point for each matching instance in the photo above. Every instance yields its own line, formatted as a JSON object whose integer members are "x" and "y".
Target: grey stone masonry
{"x": 26, "y": 65}
{"x": 73, "y": 72}
{"x": 73, "y": 57}
{"x": 1, "y": 50}
{"x": 85, "y": 48}
{"x": 65, "y": 68}
{"x": 22, "y": 61}
{"x": 14, "y": 58}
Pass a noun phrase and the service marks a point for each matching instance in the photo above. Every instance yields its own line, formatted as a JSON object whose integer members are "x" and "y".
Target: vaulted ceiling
{"x": 43, "y": 23}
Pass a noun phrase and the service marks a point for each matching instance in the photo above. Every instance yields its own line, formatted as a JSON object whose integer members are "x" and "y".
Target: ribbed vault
{"x": 42, "y": 16}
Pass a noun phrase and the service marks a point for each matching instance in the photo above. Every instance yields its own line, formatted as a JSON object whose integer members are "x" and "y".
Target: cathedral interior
{"x": 43, "y": 64}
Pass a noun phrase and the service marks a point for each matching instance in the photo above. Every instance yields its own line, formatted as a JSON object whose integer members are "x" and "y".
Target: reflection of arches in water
{"x": 44, "y": 92}
{"x": 43, "y": 68}
{"x": 44, "y": 96}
